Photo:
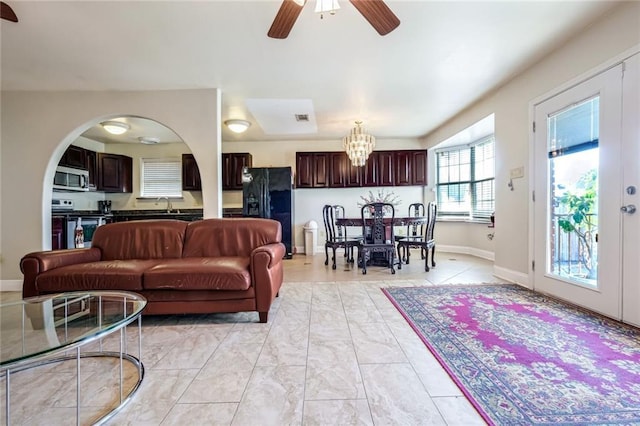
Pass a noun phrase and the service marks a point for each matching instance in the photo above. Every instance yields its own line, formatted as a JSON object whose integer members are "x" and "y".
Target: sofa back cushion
{"x": 229, "y": 236}
{"x": 140, "y": 239}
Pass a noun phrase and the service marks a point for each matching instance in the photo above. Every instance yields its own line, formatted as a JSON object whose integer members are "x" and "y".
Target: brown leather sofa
{"x": 211, "y": 265}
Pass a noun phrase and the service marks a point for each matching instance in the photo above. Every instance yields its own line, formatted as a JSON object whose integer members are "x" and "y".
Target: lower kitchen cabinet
{"x": 57, "y": 232}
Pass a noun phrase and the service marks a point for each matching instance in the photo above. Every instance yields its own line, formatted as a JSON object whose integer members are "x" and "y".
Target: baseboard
{"x": 484, "y": 254}
{"x": 513, "y": 276}
{"x": 10, "y": 285}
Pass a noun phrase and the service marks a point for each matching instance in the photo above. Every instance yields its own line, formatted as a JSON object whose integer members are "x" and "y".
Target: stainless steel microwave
{"x": 68, "y": 179}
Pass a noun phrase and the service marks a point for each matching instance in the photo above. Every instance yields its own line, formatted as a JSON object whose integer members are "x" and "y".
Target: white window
{"x": 466, "y": 180}
{"x": 161, "y": 177}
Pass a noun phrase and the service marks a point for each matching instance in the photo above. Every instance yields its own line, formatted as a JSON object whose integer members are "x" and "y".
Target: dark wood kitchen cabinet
{"x": 383, "y": 168}
{"x": 419, "y": 168}
{"x": 342, "y": 174}
{"x": 57, "y": 233}
{"x": 232, "y": 165}
{"x": 74, "y": 157}
{"x": 114, "y": 173}
{"x": 92, "y": 167}
{"x": 190, "y": 174}
{"x": 312, "y": 169}
{"x": 379, "y": 169}
{"x": 403, "y": 168}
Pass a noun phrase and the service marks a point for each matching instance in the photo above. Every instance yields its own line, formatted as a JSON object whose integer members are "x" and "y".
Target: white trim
{"x": 10, "y": 285}
{"x": 513, "y": 276}
{"x": 484, "y": 254}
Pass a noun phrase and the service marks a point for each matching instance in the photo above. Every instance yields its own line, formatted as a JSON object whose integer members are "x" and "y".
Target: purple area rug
{"x": 522, "y": 358}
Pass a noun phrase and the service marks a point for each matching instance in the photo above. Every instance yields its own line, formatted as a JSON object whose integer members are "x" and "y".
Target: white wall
{"x": 36, "y": 128}
{"x": 615, "y": 33}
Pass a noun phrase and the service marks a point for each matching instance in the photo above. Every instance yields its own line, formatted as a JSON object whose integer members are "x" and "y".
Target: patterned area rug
{"x": 524, "y": 359}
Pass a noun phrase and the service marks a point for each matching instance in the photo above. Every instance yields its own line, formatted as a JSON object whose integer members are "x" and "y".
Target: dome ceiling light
{"x": 148, "y": 140}
{"x": 237, "y": 126}
{"x": 115, "y": 127}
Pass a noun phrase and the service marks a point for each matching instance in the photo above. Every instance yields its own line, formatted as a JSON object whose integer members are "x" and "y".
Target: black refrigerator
{"x": 268, "y": 192}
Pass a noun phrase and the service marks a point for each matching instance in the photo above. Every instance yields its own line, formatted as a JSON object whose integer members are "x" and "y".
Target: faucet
{"x": 169, "y": 205}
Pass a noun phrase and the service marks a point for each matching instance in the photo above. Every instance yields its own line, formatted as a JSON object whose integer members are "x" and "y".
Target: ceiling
{"x": 444, "y": 56}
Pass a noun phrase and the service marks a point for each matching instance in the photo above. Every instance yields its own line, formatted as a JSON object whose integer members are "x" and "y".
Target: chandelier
{"x": 358, "y": 145}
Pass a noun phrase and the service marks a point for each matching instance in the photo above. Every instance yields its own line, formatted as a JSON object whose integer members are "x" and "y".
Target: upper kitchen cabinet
{"x": 419, "y": 167}
{"x": 342, "y": 173}
{"x": 383, "y": 168}
{"x": 379, "y": 169}
{"x": 114, "y": 173}
{"x": 74, "y": 157}
{"x": 312, "y": 169}
{"x": 92, "y": 167}
{"x": 190, "y": 174}
{"x": 232, "y": 166}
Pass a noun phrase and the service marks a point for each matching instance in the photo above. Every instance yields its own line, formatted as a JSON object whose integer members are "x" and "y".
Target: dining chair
{"x": 424, "y": 242}
{"x": 377, "y": 230}
{"x": 414, "y": 230}
{"x": 336, "y": 236}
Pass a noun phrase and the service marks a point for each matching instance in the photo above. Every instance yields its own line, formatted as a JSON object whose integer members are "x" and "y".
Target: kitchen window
{"x": 466, "y": 180}
{"x": 161, "y": 177}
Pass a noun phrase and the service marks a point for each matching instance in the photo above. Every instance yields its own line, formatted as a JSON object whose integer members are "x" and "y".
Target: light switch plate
{"x": 516, "y": 173}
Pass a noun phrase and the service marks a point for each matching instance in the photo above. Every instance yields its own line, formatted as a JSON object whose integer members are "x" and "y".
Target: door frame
{"x": 613, "y": 62}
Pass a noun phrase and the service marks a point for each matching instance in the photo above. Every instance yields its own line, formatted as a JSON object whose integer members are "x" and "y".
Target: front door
{"x": 579, "y": 180}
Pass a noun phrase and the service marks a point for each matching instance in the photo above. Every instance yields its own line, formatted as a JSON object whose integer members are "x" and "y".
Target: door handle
{"x": 630, "y": 209}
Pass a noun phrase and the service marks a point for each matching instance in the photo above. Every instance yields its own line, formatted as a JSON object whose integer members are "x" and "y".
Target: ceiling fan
{"x": 376, "y": 12}
{"x": 7, "y": 13}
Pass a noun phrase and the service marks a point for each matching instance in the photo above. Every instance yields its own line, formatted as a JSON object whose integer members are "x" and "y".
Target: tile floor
{"x": 334, "y": 352}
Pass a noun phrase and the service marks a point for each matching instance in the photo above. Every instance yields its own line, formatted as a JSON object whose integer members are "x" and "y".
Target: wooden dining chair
{"x": 414, "y": 230}
{"x": 336, "y": 236}
{"x": 424, "y": 242}
{"x": 378, "y": 235}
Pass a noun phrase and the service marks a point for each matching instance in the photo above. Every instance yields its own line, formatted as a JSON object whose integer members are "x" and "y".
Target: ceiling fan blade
{"x": 378, "y": 14}
{"x": 284, "y": 20}
{"x": 7, "y": 13}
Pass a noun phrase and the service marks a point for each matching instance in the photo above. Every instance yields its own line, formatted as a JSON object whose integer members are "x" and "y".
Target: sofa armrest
{"x": 36, "y": 263}
{"x": 267, "y": 273}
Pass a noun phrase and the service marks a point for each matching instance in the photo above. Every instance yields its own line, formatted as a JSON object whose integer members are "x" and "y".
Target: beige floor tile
{"x": 276, "y": 393}
{"x": 201, "y": 414}
{"x": 337, "y": 412}
{"x": 397, "y": 397}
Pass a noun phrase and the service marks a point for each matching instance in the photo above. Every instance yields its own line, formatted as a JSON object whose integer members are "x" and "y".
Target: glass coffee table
{"x": 53, "y": 328}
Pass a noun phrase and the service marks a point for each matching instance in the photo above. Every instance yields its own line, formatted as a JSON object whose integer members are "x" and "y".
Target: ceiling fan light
{"x": 327, "y": 6}
{"x": 237, "y": 126}
{"x": 115, "y": 127}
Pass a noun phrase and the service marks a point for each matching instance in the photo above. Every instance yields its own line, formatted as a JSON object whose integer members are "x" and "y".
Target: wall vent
{"x": 302, "y": 117}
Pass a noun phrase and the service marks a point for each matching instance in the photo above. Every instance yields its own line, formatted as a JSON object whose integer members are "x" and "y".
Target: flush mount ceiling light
{"x": 115, "y": 127}
{"x": 237, "y": 126}
{"x": 148, "y": 140}
{"x": 358, "y": 145}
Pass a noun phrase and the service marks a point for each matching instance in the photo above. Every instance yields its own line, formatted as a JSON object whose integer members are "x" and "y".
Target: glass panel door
{"x": 577, "y": 238}
{"x": 572, "y": 145}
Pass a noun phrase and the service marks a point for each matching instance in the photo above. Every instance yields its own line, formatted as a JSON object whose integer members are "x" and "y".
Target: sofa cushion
{"x": 140, "y": 239}
{"x": 229, "y": 236}
{"x": 199, "y": 273}
{"x": 103, "y": 275}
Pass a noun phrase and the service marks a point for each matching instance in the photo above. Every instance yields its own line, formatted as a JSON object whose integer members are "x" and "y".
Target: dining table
{"x": 397, "y": 221}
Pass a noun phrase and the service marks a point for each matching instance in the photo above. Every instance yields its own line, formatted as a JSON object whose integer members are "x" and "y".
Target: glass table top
{"x": 39, "y": 326}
